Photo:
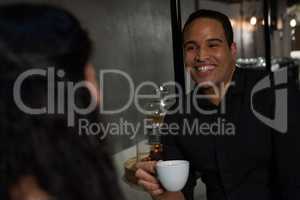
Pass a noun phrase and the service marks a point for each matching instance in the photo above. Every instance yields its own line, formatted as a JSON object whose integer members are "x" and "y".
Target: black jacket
{"x": 251, "y": 160}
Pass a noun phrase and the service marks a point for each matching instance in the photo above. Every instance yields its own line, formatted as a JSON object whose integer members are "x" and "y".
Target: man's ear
{"x": 90, "y": 76}
{"x": 233, "y": 49}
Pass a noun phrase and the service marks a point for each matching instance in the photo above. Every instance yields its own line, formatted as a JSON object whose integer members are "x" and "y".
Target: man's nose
{"x": 201, "y": 55}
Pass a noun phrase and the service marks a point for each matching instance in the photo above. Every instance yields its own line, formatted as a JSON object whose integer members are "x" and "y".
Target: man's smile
{"x": 203, "y": 69}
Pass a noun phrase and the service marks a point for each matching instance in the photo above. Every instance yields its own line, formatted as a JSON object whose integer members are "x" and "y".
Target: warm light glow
{"x": 263, "y": 22}
{"x": 253, "y": 21}
{"x": 232, "y": 22}
{"x": 293, "y": 23}
{"x": 242, "y": 24}
{"x": 293, "y": 32}
{"x": 279, "y": 24}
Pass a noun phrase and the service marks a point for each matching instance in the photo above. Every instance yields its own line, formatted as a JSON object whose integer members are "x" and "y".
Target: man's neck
{"x": 217, "y": 93}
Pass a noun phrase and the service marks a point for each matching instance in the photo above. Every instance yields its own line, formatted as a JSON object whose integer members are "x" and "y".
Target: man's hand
{"x": 146, "y": 178}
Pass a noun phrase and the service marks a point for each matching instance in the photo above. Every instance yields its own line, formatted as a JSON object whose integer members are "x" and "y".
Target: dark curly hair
{"x": 67, "y": 165}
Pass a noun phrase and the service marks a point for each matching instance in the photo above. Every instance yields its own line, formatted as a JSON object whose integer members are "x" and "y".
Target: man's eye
{"x": 190, "y": 48}
{"x": 213, "y": 45}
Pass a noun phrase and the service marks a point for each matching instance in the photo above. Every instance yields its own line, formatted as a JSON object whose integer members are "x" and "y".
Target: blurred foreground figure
{"x": 44, "y": 53}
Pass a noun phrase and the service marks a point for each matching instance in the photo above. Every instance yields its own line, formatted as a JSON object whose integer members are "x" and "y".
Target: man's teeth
{"x": 204, "y": 68}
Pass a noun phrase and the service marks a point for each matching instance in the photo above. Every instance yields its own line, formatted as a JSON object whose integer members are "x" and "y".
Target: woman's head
{"x": 65, "y": 164}
{"x": 42, "y": 36}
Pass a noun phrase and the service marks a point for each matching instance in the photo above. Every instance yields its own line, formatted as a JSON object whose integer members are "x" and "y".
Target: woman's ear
{"x": 90, "y": 77}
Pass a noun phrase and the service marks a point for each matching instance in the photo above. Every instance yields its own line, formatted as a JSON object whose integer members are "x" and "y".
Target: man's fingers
{"x": 148, "y": 166}
{"x": 149, "y": 186}
{"x": 157, "y": 192}
{"x": 143, "y": 175}
{"x": 146, "y": 179}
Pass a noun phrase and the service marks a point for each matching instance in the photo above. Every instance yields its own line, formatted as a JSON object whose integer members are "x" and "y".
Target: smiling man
{"x": 252, "y": 163}
{"x": 209, "y": 53}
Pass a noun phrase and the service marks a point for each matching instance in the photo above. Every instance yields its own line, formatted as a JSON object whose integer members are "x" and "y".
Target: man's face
{"x": 208, "y": 56}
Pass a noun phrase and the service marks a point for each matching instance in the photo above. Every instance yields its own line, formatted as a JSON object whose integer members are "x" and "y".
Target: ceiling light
{"x": 293, "y": 23}
{"x": 253, "y": 21}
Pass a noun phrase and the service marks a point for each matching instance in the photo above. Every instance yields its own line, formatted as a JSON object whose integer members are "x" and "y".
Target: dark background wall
{"x": 130, "y": 35}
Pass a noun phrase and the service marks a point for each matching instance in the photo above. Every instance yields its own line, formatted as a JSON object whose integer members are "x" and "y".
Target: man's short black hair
{"x": 220, "y": 17}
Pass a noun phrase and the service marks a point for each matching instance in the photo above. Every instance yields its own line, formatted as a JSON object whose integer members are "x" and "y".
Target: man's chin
{"x": 205, "y": 82}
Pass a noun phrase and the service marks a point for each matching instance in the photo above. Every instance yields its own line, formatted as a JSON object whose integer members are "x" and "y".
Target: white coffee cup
{"x": 173, "y": 174}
